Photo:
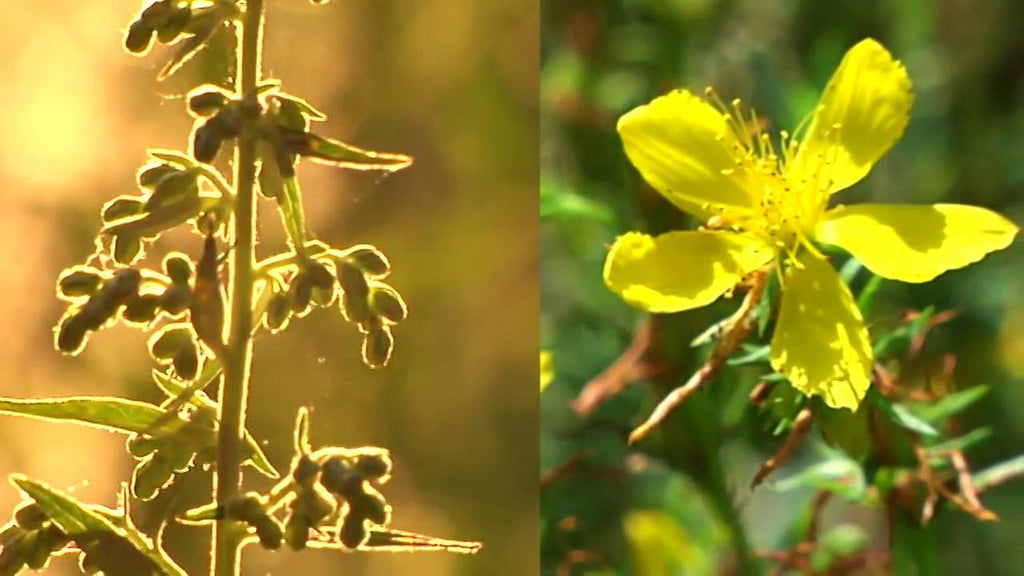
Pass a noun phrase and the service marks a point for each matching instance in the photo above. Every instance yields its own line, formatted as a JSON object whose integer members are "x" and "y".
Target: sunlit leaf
{"x": 389, "y": 540}
{"x": 108, "y": 413}
{"x": 336, "y": 153}
{"x": 115, "y": 550}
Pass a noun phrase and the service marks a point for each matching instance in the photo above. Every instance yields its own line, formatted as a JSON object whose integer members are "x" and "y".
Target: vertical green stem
{"x": 238, "y": 353}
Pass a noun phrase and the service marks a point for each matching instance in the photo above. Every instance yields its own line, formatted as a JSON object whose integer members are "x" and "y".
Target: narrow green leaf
{"x": 108, "y": 413}
{"x": 179, "y": 159}
{"x": 950, "y": 405}
{"x": 564, "y": 204}
{"x": 961, "y": 443}
{"x": 751, "y": 355}
{"x": 999, "y": 473}
{"x": 293, "y": 212}
{"x": 201, "y": 514}
{"x": 838, "y": 475}
{"x": 115, "y": 550}
{"x": 388, "y": 540}
{"x": 902, "y": 416}
{"x": 335, "y": 153}
{"x": 308, "y": 110}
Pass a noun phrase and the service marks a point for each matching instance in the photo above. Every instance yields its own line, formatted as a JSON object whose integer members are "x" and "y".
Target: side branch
{"x": 736, "y": 333}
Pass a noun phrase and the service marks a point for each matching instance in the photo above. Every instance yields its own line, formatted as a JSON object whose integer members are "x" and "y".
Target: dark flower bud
{"x": 79, "y": 281}
{"x": 207, "y": 140}
{"x": 186, "y": 361}
{"x": 176, "y": 298}
{"x": 370, "y": 260}
{"x": 296, "y": 532}
{"x": 229, "y": 119}
{"x": 305, "y": 471}
{"x": 300, "y": 292}
{"x": 151, "y": 175}
{"x": 378, "y": 344}
{"x": 71, "y": 335}
{"x": 338, "y": 477}
{"x": 157, "y": 14}
{"x": 322, "y": 282}
{"x": 124, "y": 285}
{"x": 245, "y": 508}
{"x": 122, "y": 207}
{"x": 289, "y": 115}
{"x": 353, "y": 533}
{"x": 269, "y": 531}
{"x": 178, "y": 267}
{"x": 207, "y": 100}
{"x": 29, "y": 516}
{"x": 374, "y": 508}
{"x": 373, "y": 464}
{"x": 142, "y": 309}
{"x": 127, "y": 249}
{"x": 278, "y": 310}
{"x": 387, "y": 303}
{"x": 164, "y": 345}
{"x": 139, "y": 37}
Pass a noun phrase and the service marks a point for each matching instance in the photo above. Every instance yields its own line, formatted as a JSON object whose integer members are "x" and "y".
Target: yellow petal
{"x": 869, "y": 98}
{"x": 820, "y": 342}
{"x": 680, "y": 270}
{"x": 681, "y": 145}
{"x": 547, "y": 369}
{"x": 915, "y": 243}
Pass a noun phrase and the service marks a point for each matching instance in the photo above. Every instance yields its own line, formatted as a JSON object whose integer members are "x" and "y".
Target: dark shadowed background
{"x": 452, "y": 83}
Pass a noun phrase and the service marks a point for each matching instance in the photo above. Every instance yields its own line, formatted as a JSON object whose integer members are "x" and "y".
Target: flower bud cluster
{"x": 171, "y": 450}
{"x": 30, "y": 540}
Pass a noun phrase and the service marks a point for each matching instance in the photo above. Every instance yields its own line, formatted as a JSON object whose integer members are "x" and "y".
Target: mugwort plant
{"x": 202, "y": 311}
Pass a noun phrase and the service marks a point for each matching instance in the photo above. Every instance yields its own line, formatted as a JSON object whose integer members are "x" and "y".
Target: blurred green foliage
{"x": 680, "y": 502}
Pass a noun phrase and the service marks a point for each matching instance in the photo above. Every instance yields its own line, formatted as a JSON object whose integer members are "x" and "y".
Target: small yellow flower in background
{"x": 547, "y": 369}
{"x": 762, "y": 206}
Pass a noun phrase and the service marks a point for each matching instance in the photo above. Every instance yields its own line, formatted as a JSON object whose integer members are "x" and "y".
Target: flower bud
{"x": 186, "y": 361}
{"x": 173, "y": 189}
{"x": 269, "y": 531}
{"x": 373, "y": 464}
{"x": 164, "y": 345}
{"x": 122, "y": 207}
{"x": 176, "y": 298}
{"x": 127, "y": 249}
{"x": 300, "y": 292}
{"x": 151, "y": 175}
{"x": 387, "y": 303}
{"x": 175, "y": 25}
{"x": 207, "y": 140}
{"x": 178, "y": 267}
{"x": 373, "y": 507}
{"x": 207, "y": 100}
{"x": 378, "y": 344}
{"x": 150, "y": 476}
{"x": 296, "y": 532}
{"x": 71, "y": 335}
{"x": 139, "y": 37}
{"x": 142, "y": 309}
{"x": 352, "y": 532}
{"x": 278, "y": 310}
{"x": 29, "y": 515}
{"x": 369, "y": 259}
{"x": 79, "y": 281}
{"x": 142, "y": 446}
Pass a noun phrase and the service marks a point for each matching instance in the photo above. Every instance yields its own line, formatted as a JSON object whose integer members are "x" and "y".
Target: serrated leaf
{"x": 108, "y": 413}
{"x": 950, "y": 405}
{"x": 115, "y": 550}
{"x": 339, "y": 154}
{"x": 902, "y": 416}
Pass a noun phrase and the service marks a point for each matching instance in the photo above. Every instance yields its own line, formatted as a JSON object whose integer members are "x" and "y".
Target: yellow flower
{"x": 763, "y": 206}
{"x": 547, "y": 369}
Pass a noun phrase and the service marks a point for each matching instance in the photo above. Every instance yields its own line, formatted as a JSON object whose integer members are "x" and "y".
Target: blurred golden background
{"x": 452, "y": 83}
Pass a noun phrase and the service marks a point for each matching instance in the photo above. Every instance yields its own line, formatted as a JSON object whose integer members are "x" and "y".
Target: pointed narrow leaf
{"x": 201, "y": 515}
{"x": 179, "y": 159}
{"x": 951, "y": 405}
{"x": 114, "y": 550}
{"x": 336, "y": 153}
{"x": 108, "y": 413}
{"x": 388, "y": 540}
{"x": 307, "y": 109}
{"x": 962, "y": 443}
{"x": 901, "y": 415}
{"x": 999, "y": 473}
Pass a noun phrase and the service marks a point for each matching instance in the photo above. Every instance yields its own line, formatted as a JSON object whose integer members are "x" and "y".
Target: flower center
{"x": 790, "y": 202}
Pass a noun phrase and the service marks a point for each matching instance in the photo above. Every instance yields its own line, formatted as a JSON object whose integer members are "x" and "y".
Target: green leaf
{"x": 108, "y": 413}
{"x": 335, "y": 153}
{"x": 892, "y": 343}
{"x": 193, "y": 394}
{"x": 201, "y": 514}
{"x": 179, "y": 159}
{"x": 117, "y": 551}
{"x": 950, "y": 405}
{"x": 961, "y": 443}
{"x": 902, "y": 416}
{"x": 388, "y": 540}
{"x": 204, "y": 23}
{"x": 838, "y": 475}
{"x": 307, "y": 109}
{"x": 751, "y": 355}
{"x": 557, "y": 202}
{"x": 999, "y": 473}
{"x": 293, "y": 213}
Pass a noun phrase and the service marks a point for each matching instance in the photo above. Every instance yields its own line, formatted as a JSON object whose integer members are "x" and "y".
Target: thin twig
{"x": 737, "y": 331}
{"x": 628, "y": 368}
{"x": 801, "y": 425}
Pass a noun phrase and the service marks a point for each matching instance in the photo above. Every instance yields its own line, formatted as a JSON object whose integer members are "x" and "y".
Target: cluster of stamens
{"x": 787, "y": 207}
